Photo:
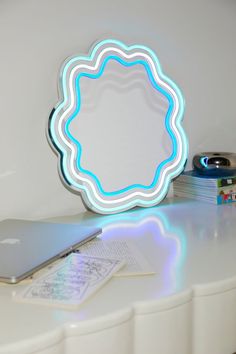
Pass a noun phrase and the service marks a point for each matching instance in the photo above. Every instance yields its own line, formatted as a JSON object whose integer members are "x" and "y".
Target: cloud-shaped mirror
{"x": 117, "y": 127}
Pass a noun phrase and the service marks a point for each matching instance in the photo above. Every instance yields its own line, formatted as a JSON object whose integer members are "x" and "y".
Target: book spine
{"x": 227, "y": 196}
{"x": 218, "y": 182}
{"x": 223, "y": 182}
{"x": 218, "y": 199}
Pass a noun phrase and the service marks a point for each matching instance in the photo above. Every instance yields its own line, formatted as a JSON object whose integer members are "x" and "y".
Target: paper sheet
{"x": 70, "y": 282}
{"x": 135, "y": 262}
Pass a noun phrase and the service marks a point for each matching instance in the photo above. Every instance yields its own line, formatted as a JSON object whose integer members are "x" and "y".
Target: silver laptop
{"x": 27, "y": 246}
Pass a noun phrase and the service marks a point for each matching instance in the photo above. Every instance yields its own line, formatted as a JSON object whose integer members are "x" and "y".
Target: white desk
{"x": 188, "y": 307}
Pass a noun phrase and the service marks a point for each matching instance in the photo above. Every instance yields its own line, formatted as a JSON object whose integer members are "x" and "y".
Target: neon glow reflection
{"x": 69, "y": 149}
{"x": 167, "y": 241}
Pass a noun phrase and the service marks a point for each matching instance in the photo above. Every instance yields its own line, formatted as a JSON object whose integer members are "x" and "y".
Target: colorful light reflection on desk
{"x": 154, "y": 226}
{"x": 69, "y": 149}
{"x": 151, "y": 227}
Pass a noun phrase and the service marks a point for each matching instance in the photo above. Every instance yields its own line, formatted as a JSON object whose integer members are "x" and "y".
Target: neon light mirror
{"x": 117, "y": 127}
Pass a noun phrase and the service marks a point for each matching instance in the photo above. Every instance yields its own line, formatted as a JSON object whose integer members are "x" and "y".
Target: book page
{"x": 70, "y": 282}
{"x": 135, "y": 262}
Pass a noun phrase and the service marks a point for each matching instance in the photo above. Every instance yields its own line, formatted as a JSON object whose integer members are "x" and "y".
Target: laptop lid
{"x": 27, "y": 246}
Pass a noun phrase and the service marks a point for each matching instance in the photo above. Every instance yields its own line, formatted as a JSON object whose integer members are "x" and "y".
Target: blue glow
{"x": 167, "y": 123}
{"x": 204, "y": 161}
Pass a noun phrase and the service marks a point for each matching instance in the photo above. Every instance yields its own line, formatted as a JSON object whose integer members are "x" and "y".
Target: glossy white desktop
{"x": 187, "y": 307}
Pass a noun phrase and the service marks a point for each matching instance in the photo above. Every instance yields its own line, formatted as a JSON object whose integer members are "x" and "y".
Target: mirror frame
{"x": 69, "y": 149}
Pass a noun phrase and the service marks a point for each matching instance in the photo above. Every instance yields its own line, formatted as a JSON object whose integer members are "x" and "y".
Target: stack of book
{"x": 217, "y": 190}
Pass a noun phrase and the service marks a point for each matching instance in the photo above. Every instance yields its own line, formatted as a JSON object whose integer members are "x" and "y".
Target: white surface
{"x": 187, "y": 307}
{"x": 194, "y": 40}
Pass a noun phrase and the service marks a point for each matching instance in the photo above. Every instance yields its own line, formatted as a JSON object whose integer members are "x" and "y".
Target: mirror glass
{"x": 121, "y": 127}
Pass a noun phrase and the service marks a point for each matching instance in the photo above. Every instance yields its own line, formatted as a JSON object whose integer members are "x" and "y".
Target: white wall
{"x": 194, "y": 40}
